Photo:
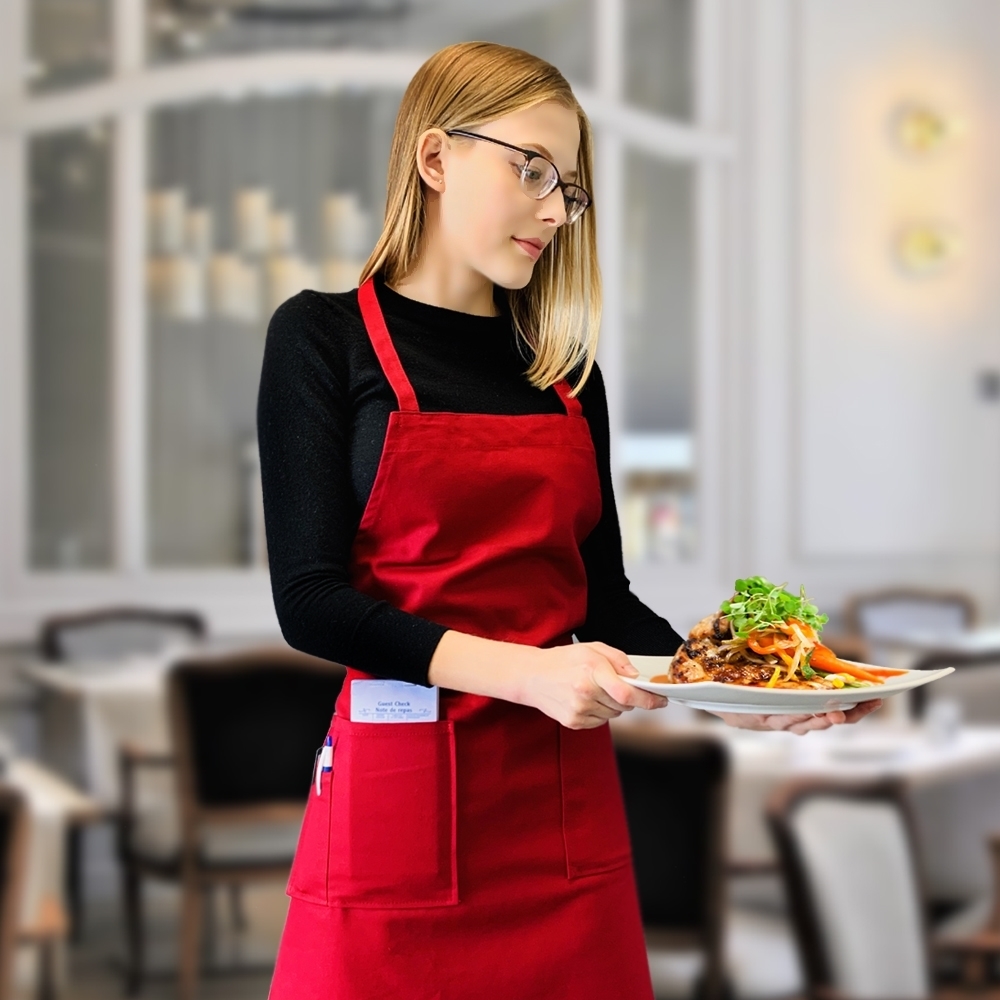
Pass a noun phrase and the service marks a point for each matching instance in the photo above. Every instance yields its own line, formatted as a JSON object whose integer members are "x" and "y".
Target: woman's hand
{"x": 799, "y": 724}
{"x": 580, "y": 685}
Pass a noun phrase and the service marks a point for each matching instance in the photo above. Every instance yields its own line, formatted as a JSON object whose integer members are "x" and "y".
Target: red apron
{"x": 485, "y": 855}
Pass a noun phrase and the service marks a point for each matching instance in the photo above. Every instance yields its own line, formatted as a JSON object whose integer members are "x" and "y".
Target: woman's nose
{"x": 552, "y": 208}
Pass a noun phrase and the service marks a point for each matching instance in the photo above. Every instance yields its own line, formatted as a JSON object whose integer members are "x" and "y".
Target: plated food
{"x": 764, "y": 636}
{"x": 714, "y": 696}
{"x": 761, "y": 653}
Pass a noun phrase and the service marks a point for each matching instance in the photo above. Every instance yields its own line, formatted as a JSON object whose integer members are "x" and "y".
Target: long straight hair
{"x": 558, "y": 313}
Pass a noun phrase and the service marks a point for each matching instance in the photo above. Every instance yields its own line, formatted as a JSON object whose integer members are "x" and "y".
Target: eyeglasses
{"x": 539, "y": 179}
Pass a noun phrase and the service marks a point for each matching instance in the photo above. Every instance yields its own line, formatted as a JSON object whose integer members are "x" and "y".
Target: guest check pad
{"x": 392, "y": 701}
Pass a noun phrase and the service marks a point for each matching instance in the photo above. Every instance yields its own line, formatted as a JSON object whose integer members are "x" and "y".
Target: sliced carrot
{"x": 765, "y": 642}
{"x": 825, "y": 659}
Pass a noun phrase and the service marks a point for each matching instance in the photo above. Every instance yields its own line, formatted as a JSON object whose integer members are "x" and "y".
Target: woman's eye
{"x": 532, "y": 173}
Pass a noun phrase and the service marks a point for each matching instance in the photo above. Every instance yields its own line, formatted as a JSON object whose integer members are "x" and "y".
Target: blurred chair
{"x": 975, "y": 685}
{"x": 854, "y": 883}
{"x": 116, "y": 632}
{"x": 675, "y": 795}
{"x": 245, "y": 728}
{"x": 102, "y": 634}
{"x": 884, "y": 617}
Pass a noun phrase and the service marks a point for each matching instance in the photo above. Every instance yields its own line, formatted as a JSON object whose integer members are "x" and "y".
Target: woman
{"x": 440, "y": 517}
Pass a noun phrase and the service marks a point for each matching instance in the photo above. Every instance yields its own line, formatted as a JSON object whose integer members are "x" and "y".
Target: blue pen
{"x": 325, "y": 763}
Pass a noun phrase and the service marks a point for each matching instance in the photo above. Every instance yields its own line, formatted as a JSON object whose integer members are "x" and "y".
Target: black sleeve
{"x": 614, "y": 614}
{"x": 303, "y": 423}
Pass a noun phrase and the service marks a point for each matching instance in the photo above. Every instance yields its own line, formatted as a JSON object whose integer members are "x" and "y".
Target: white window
{"x": 171, "y": 174}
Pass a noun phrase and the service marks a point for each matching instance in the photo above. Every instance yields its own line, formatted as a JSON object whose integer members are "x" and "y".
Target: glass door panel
{"x": 557, "y": 30}
{"x": 657, "y": 452}
{"x": 69, "y": 267}
{"x": 659, "y": 39}
{"x": 70, "y": 42}
{"x": 250, "y": 202}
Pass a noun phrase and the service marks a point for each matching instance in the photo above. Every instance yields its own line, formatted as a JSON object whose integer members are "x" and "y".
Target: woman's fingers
{"x": 801, "y": 724}
{"x": 865, "y": 708}
{"x": 625, "y": 696}
{"x": 619, "y": 660}
{"x": 585, "y": 685}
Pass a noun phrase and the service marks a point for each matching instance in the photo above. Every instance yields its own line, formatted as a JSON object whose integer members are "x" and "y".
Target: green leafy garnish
{"x": 759, "y": 604}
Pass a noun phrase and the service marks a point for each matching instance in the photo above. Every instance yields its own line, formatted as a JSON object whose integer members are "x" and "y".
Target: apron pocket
{"x": 308, "y": 877}
{"x": 392, "y": 820}
{"x": 595, "y": 830}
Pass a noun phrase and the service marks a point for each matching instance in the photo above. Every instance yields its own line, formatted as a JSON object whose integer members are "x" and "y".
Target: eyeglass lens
{"x": 539, "y": 178}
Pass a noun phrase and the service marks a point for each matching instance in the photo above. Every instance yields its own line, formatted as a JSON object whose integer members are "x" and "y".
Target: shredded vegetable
{"x": 759, "y": 604}
{"x": 772, "y": 626}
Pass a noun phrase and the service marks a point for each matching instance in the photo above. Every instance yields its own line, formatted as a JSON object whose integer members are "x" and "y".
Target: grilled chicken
{"x": 713, "y": 627}
{"x": 702, "y": 658}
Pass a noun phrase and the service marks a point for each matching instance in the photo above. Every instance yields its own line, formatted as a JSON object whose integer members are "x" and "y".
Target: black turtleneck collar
{"x": 433, "y": 317}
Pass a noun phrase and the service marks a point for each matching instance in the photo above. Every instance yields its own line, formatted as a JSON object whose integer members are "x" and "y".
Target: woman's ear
{"x": 430, "y": 158}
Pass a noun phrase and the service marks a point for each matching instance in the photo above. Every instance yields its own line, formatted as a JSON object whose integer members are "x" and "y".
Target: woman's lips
{"x": 534, "y": 252}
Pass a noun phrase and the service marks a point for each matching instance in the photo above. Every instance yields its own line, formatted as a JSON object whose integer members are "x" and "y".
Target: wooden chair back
{"x": 975, "y": 685}
{"x": 850, "y": 863}
{"x": 675, "y": 792}
{"x": 115, "y": 632}
{"x": 885, "y": 614}
{"x": 245, "y": 728}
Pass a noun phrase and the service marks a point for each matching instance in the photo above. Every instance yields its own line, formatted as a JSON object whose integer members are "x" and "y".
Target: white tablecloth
{"x": 52, "y": 804}
{"x": 90, "y": 709}
{"x": 954, "y": 786}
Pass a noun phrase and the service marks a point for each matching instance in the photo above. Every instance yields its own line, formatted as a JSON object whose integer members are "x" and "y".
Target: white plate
{"x": 714, "y": 696}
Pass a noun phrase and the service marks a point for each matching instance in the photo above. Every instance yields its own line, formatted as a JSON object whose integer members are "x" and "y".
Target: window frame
{"x": 239, "y": 599}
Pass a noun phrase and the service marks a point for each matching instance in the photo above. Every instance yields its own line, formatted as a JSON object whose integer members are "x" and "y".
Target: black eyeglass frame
{"x": 530, "y": 155}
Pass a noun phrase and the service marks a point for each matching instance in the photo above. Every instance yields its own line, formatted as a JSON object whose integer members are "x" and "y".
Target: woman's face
{"x": 483, "y": 210}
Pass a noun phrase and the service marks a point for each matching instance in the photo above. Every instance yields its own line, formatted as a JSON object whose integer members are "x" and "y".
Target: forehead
{"x": 549, "y": 127}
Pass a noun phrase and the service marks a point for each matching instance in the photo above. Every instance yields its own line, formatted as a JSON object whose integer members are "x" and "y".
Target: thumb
{"x": 624, "y": 667}
{"x": 619, "y": 660}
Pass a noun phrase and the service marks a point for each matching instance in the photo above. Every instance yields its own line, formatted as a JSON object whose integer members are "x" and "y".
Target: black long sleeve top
{"x": 322, "y": 411}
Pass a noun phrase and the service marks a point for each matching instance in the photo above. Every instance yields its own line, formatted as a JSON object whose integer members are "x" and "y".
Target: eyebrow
{"x": 541, "y": 149}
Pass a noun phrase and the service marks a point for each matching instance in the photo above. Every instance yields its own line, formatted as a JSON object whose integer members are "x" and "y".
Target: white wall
{"x": 871, "y": 458}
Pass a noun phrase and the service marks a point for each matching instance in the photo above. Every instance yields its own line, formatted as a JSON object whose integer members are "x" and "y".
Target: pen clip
{"x": 323, "y": 762}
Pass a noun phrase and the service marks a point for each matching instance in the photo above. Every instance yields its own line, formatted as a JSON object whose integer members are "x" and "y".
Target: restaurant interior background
{"x": 797, "y": 207}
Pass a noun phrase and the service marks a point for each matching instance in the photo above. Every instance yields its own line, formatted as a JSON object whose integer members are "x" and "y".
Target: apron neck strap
{"x": 572, "y": 403}
{"x": 371, "y": 313}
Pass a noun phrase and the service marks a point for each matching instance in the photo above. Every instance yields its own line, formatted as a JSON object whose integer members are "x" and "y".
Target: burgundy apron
{"x": 485, "y": 855}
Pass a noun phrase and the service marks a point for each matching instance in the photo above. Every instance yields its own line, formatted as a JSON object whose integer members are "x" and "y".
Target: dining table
{"x": 89, "y": 709}
{"x": 908, "y": 648}
{"x": 54, "y": 805}
{"x": 951, "y": 772}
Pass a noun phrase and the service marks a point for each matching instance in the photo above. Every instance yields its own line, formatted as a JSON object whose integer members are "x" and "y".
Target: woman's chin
{"x": 509, "y": 277}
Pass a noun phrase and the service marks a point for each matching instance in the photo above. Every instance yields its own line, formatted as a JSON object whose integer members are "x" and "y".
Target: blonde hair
{"x": 558, "y": 313}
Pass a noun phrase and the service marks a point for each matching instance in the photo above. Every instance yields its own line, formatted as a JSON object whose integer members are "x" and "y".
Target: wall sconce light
{"x": 924, "y": 248}
{"x": 920, "y": 130}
